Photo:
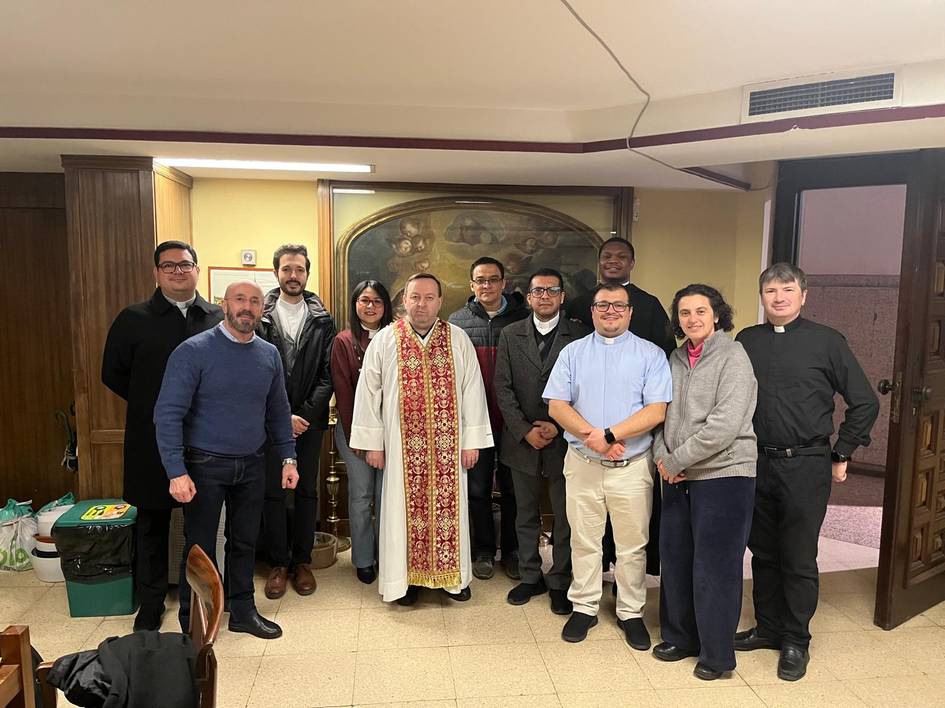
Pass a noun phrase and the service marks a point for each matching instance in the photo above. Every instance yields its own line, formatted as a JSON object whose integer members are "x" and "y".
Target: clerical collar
{"x": 546, "y": 327}
{"x": 182, "y": 306}
{"x": 781, "y": 329}
{"x": 229, "y": 335}
{"x": 612, "y": 340}
{"x": 370, "y": 332}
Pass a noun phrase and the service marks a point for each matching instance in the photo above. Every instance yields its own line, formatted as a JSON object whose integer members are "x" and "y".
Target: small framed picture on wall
{"x": 221, "y": 277}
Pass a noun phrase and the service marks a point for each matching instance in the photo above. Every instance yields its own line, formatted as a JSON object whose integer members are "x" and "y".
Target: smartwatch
{"x": 290, "y": 461}
{"x": 609, "y": 436}
{"x": 838, "y": 457}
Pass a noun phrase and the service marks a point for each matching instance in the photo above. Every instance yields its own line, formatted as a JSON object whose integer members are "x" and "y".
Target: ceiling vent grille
{"x": 791, "y": 98}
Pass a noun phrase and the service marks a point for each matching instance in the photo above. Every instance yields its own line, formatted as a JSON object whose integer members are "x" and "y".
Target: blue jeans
{"x": 238, "y": 482}
{"x": 364, "y": 487}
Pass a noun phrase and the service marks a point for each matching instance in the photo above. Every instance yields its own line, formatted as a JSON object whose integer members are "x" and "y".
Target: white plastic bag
{"x": 17, "y": 543}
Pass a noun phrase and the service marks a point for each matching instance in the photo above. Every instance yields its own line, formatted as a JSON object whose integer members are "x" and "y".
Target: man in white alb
{"x": 420, "y": 413}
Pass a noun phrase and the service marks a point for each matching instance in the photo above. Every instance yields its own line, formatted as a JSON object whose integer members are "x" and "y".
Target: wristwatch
{"x": 609, "y": 436}
{"x": 838, "y": 457}
{"x": 290, "y": 461}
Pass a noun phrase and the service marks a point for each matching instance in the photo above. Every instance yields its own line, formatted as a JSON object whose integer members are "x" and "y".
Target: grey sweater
{"x": 708, "y": 431}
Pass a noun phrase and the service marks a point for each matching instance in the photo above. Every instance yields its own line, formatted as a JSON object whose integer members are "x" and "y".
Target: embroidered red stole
{"x": 429, "y": 429}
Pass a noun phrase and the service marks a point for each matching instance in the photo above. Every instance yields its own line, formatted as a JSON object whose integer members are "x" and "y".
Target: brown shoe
{"x": 275, "y": 583}
{"x": 303, "y": 581}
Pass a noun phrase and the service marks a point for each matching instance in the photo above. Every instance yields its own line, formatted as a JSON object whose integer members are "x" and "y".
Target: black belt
{"x": 797, "y": 451}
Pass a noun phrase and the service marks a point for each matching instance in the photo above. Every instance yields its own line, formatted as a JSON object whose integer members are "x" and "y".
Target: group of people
{"x": 658, "y": 458}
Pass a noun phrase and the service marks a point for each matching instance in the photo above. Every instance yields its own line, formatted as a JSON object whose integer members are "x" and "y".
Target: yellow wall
{"x": 693, "y": 236}
{"x": 681, "y": 236}
{"x": 230, "y": 215}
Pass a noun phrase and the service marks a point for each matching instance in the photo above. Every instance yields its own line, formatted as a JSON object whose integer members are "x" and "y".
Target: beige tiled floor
{"x": 343, "y": 646}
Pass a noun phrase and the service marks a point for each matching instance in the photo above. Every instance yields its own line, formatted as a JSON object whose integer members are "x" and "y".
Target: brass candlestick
{"x": 333, "y": 481}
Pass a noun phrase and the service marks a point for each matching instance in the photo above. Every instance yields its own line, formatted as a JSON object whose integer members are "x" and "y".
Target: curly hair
{"x": 720, "y": 308}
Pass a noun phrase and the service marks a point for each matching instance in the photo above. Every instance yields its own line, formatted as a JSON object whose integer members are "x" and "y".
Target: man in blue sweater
{"x": 223, "y": 396}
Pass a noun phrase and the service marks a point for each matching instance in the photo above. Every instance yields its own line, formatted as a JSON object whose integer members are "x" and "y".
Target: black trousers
{"x": 528, "y": 528}
{"x": 703, "y": 533}
{"x": 285, "y": 546}
{"x": 479, "y": 484}
{"x": 151, "y": 532}
{"x": 790, "y": 504}
{"x": 238, "y": 482}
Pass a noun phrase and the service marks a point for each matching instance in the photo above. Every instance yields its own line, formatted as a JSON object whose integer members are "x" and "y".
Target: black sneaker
{"x": 575, "y": 629}
{"x": 560, "y": 604}
{"x": 483, "y": 567}
{"x": 511, "y": 565}
{"x": 635, "y": 632}
{"x": 523, "y": 592}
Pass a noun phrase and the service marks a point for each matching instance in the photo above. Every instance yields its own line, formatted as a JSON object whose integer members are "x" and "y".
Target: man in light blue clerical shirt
{"x": 608, "y": 391}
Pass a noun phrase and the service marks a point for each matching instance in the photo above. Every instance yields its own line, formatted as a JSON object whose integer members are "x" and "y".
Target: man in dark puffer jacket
{"x": 483, "y": 318}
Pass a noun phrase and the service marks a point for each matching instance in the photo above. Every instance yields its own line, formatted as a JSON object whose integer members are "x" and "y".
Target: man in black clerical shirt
{"x": 799, "y": 365}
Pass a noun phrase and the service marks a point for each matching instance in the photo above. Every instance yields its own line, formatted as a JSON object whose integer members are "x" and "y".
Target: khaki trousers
{"x": 627, "y": 494}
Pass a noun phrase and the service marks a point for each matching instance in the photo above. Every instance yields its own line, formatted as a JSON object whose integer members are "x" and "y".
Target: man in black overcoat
{"x": 139, "y": 343}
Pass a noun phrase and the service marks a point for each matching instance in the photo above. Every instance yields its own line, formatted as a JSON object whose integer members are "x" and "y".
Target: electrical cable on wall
{"x": 646, "y": 95}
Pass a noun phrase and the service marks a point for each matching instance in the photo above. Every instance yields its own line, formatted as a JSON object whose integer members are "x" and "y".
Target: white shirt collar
{"x": 546, "y": 327}
{"x": 182, "y": 306}
{"x": 229, "y": 335}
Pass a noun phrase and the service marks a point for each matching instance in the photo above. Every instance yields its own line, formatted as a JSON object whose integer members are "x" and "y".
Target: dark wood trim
{"x": 717, "y": 177}
{"x": 173, "y": 174}
{"x": 32, "y": 190}
{"x": 108, "y": 437}
{"x": 778, "y": 125}
{"x": 107, "y": 162}
{"x": 623, "y": 214}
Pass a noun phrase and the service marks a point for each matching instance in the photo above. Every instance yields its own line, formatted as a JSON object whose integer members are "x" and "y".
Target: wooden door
{"x": 35, "y": 348}
{"x": 911, "y": 576}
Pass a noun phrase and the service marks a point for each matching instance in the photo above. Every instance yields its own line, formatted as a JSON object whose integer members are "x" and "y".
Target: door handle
{"x": 920, "y": 394}
{"x": 885, "y": 387}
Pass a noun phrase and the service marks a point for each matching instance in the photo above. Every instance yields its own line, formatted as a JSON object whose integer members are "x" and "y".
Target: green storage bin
{"x": 95, "y": 540}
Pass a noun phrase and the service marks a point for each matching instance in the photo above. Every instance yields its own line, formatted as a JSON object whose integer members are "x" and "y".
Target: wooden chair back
{"x": 206, "y": 612}
{"x": 17, "y": 682}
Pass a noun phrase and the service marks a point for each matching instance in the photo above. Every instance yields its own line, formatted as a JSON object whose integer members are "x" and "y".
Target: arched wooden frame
{"x": 341, "y": 286}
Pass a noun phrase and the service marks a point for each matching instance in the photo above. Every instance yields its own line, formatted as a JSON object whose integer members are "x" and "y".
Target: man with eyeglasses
{"x": 532, "y": 444}
{"x": 487, "y": 311}
{"x": 608, "y": 391}
{"x": 139, "y": 342}
{"x": 222, "y": 401}
{"x": 296, "y": 322}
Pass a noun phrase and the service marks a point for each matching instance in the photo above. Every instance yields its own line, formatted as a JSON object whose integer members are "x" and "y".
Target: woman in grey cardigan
{"x": 706, "y": 455}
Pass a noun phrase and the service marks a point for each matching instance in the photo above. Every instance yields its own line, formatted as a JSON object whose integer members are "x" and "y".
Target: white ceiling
{"x": 489, "y": 69}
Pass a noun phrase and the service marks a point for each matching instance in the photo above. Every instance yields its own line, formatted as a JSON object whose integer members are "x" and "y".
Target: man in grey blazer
{"x": 532, "y": 444}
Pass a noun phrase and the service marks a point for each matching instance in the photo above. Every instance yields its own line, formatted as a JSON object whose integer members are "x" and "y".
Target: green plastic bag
{"x": 64, "y": 500}
{"x": 17, "y": 528}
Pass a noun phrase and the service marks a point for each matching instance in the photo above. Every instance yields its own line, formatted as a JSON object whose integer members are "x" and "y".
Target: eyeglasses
{"x": 553, "y": 291}
{"x": 169, "y": 267}
{"x": 367, "y": 302}
{"x": 483, "y": 282}
{"x": 619, "y": 307}
{"x": 241, "y": 300}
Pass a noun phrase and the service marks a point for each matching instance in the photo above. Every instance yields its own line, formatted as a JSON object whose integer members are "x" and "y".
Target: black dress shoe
{"x": 635, "y": 632}
{"x": 793, "y": 663}
{"x": 257, "y": 625}
{"x": 706, "y": 673}
{"x": 750, "y": 639}
{"x": 523, "y": 592}
{"x": 148, "y": 618}
{"x": 461, "y": 596}
{"x": 664, "y": 651}
{"x": 366, "y": 575}
{"x": 575, "y": 629}
{"x": 560, "y": 604}
{"x": 410, "y": 597}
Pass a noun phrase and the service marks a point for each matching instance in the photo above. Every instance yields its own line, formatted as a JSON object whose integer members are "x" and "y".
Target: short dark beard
{"x": 237, "y": 325}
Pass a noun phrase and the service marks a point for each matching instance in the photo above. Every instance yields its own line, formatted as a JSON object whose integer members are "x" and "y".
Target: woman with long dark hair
{"x": 706, "y": 455}
{"x": 368, "y": 312}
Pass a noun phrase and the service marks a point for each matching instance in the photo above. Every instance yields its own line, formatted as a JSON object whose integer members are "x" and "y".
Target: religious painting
{"x": 444, "y": 236}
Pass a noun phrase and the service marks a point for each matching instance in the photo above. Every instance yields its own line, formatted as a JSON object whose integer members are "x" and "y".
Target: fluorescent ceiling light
{"x": 346, "y": 190}
{"x": 264, "y": 165}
